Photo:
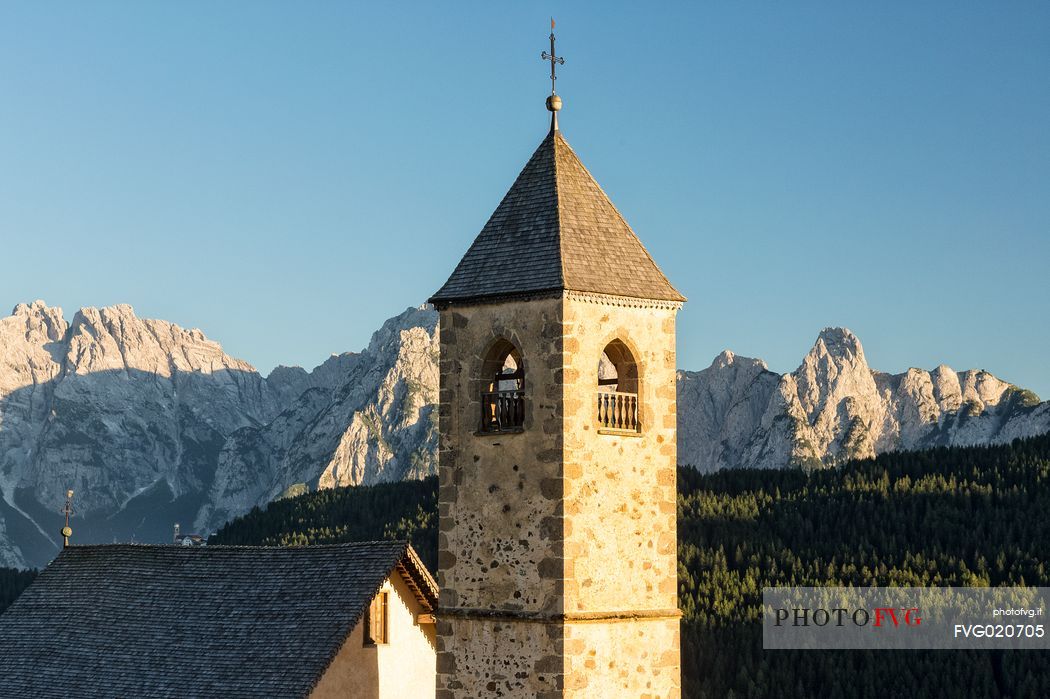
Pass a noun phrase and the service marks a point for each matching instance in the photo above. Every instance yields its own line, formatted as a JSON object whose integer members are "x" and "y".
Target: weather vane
{"x": 552, "y": 58}
{"x": 553, "y": 102}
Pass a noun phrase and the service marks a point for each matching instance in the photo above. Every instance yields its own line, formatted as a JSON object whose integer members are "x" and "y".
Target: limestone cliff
{"x": 833, "y": 407}
{"x": 152, "y": 424}
{"x": 371, "y": 421}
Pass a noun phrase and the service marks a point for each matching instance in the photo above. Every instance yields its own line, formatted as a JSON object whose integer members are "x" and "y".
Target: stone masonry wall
{"x": 500, "y": 658}
{"x": 563, "y": 536}
{"x": 635, "y": 658}
{"x": 620, "y": 495}
{"x": 500, "y": 506}
{"x": 620, "y": 507}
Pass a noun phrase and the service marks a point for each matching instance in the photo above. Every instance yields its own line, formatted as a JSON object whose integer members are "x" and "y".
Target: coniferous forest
{"x": 403, "y": 510}
{"x": 973, "y": 516}
{"x": 12, "y": 582}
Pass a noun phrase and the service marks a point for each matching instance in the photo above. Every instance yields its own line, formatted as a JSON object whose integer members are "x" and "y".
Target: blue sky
{"x": 285, "y": 176}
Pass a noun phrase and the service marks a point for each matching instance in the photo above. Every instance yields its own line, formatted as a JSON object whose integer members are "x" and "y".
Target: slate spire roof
{"x": 555, "y": 230}
{"x": 129, "y": 620}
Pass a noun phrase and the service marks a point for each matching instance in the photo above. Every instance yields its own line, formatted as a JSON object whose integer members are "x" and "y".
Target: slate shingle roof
{"x": 556, "y": 230}
{"x": 129, "y": 620}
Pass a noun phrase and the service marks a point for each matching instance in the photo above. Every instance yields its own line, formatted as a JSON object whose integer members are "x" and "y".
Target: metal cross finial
{"x": 68, "y": 510}
{"x": 552, "y": 58}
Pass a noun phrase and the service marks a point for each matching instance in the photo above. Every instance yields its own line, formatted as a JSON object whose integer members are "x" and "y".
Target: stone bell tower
{"x": 557, "y": 560}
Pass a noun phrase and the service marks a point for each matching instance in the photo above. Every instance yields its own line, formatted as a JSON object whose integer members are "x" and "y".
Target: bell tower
{"x": 557, "y": 545}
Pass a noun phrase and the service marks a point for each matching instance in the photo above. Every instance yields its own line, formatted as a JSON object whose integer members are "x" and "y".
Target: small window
{"x": 503, "y": 389}
{"x": 375, "y": 621}
{"x": 617, "y": 397}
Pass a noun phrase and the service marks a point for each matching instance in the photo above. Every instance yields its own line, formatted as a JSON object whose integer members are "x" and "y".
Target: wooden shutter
{"x": 374, "y": 623}
{"x": 381, "y": 617}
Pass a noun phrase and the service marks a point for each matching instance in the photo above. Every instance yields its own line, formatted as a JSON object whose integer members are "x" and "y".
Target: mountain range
{"x": 835, "y": 407}
{"x": 152, "y": 424}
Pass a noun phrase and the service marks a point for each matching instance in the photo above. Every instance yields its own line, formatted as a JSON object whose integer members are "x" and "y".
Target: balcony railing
{"x": 618, "y": 411}
{"x": 502, "y": 411}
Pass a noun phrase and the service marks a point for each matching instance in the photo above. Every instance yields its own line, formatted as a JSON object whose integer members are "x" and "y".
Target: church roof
{"x": 556, "y": 230}
{"x": 178, "y": 621}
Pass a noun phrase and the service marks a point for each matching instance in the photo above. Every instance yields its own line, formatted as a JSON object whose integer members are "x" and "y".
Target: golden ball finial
{"x": 67, "y": 532}
{"x": 553, "y": 103}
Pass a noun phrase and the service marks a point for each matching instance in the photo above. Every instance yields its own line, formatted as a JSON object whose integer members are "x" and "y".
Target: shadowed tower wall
{"x": 500, "y": 546}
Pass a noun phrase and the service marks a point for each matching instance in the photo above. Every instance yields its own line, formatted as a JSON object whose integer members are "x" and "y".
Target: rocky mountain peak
{"x": 31, "y": 352}
{"x": 366, "y": 418}
{"x": 422, "y": 316}
{"x": 116, "y": 407}
{"x": 832, "y": 370}
{"x": 724, "y": 360}
{"x": 35, "y": 308}
{"x": 115, "y": 338}
{"x": 839, "y": 344}
{"x": 835, "y": 407}
{"x": 38, "y": 318}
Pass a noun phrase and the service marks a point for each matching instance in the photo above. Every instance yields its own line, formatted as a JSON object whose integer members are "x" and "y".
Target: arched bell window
{"x": 618, "y": 407}
{"x": 503, "y": 389}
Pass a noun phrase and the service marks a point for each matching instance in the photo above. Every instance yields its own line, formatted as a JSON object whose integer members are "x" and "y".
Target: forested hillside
{"x": 947, "y": 517}
{"x": 951, "y": 516}
{"x": 401, "y": 510}
{"x": 12, "y": 582}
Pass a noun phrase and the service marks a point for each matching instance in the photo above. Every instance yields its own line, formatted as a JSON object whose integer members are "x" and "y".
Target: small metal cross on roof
{"x": 552, "y": 58}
